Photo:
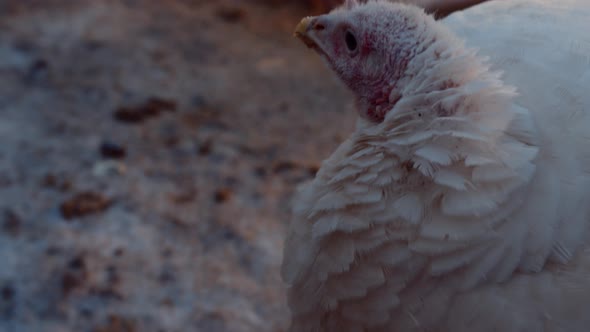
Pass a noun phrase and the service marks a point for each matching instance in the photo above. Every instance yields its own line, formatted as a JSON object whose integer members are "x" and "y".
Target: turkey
{"x": 461, "y": 201}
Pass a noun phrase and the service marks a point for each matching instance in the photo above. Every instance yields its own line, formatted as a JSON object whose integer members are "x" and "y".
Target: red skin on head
{"x": 374, "y": 92}
{"x": 372, "y": 67}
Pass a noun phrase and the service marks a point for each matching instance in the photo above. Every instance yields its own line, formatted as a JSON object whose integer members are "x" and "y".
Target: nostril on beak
{"x": 318, "y": 26}
{"x": 319, "y": 23}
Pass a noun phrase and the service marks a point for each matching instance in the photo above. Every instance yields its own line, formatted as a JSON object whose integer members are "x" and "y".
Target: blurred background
{"x": 148, "y": 152}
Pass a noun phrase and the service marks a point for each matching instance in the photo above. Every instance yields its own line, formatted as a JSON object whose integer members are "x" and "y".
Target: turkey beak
{"x": 302, "y": 29}
{"x": 308, "y": 29}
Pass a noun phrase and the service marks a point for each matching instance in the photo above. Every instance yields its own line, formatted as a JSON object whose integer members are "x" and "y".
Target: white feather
{"x": 450, "y": 179}
{"x": 435, "y": 154}
{"x": 409, "y": 207}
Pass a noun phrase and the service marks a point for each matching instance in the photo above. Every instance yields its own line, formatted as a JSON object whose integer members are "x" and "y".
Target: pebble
{"x": 111, "y": 150}
{"x": 83, "y": 204}
{"x": 12, "y": 223}
{"x": 149, "y": 109}
{"x": 222, "y": 195}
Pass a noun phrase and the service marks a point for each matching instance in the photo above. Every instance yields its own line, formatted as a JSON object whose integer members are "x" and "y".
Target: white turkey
{"x": 461, "y": 202}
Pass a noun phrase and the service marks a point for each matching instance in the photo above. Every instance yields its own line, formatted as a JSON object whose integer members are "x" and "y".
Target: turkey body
{"x": 542, "y": 49}
{"x": 455, "y": 230}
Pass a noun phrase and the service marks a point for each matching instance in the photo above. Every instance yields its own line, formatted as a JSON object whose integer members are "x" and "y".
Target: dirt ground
{"x": 148, "y": 151}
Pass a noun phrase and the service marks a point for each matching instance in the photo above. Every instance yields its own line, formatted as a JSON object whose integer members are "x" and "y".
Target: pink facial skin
{"x": 370, "y": 62}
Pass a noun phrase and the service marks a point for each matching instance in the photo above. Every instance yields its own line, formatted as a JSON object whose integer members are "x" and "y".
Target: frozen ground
{"x": 176, "y": 225}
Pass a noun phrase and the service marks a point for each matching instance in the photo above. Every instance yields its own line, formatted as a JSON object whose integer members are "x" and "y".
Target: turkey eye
{"x": 350, "y": 41}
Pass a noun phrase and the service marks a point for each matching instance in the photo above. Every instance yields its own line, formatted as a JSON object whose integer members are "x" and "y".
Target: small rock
{"x": 231, "y": 14}
{"x": 7, "y": 299}
{"x": 283, "y": 166}
{"x": 12, "y": 223}
{"x": 74, "y": 276}
{"x": 118, "y": 252}
{"x": 49, "y": 181}
{"x": 160, "y": 104}
{"x": 139, "y": 113}
{"x": 166, "y": 276}
{"x": 7, "y": 293}
{"x": 38, "y": 71}
{"x": 83, "y": 204}
{"x": 130, "y": 114}
{"x": 260, "y": 172}
{"x": 112, "y": 150}
{"x": 222, "y": 195}
{"x": 69, "y": 281}
{"x": 77, "y": 263}
{"x": 205, "y": 148}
